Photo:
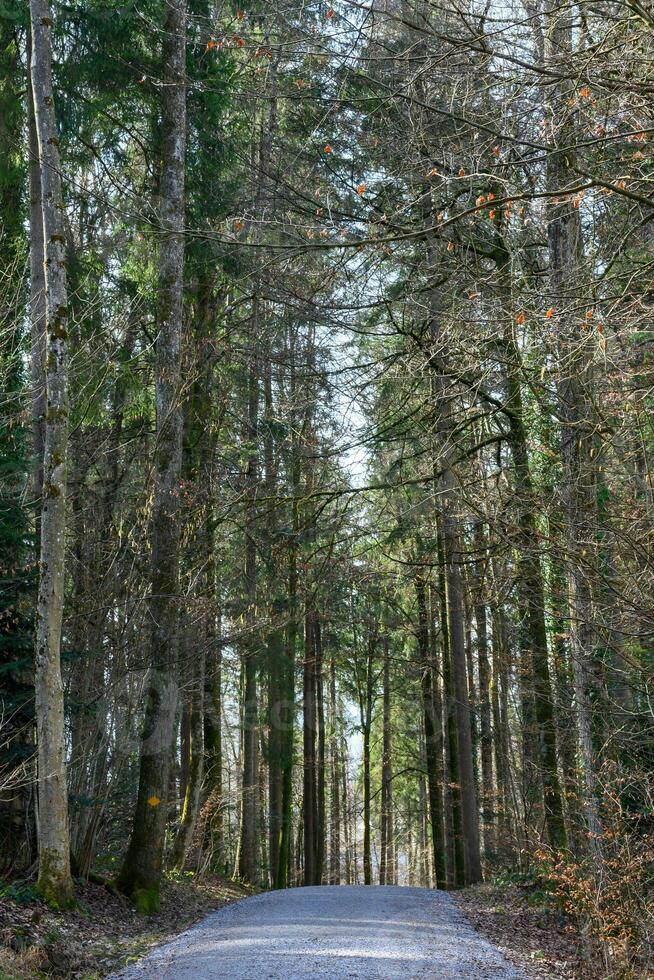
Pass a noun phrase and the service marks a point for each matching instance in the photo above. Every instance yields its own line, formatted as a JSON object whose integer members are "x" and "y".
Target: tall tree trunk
{"x": 366, "y": 701}
{"x": 211, "y": 614}
{"x": 540, "y": 745}
{"x": 445, "y": 437}
{"x": 485, "y": 727}
{"x": 213, "y": 729}
{"x": 455, "y": 612}
{"x": 565, "y": 245}
{"x": 141, "y": 872}
{"x": 386, "y": 815}
{"x": 433, "y": 736}
{"x": 248, "y": 865}
{"x": 500, "y": 726}
{"x": 275, "y": 641}
{"x": 320, "y": 760}
{"x": 309, "y": 806}
{"x": 335, "y": 789}
{"x": 37, "y": 304}
{"x": 193, "y": 785}
{"x": 54, "y": 881}
{"x": 350, "y": 866}
{"x": 455, "y": 834}
{"x": 287, "y": 667}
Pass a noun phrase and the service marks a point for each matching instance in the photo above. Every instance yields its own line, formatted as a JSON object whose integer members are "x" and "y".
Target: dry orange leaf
{"x": 550, "y": 313}
{"x": 520, "y": 319}
{"x": 361, "y": 190}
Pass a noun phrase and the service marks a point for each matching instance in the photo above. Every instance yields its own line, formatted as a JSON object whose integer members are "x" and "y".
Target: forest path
{"x": 331, "y": 931}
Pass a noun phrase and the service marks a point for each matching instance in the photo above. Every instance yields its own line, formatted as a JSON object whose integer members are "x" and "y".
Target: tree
{"x": 55, "y": 881}
{"x": 141, "y": 871}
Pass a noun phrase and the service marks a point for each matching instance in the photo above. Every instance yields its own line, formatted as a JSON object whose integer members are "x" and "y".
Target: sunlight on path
{"x": 336, "y": 932}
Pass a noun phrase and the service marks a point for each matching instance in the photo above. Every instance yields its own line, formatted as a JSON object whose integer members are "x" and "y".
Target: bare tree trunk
{"x": 213, "y": 731}
{"x": 386, "y": 815}
{"x": 287, "y": 667}
{"x": 350, "y": 872}
{"x": 248, "y": 847}
{"x": 366, "y": 701}
{"x": 455, "y": 612}
{"x": 500, "y": 730}
{"x": 141, "y": 872}
{"x": 335, "y": 790}
{"x": 485, "y": 727}
{"x": 55, "y": 881}
{"x": 540, "y": 724}
{"x": 309, "y": 809}
{"x": 320, "y": 768}
{"x": 433, "y": 735}
{"x": 37, "y": 303}
{"x": 444, "y": 432}
{"x": 565, "y": 245}
{"x": 195, "y": 651}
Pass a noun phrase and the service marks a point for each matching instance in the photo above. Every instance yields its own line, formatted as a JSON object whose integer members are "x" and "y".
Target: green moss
{"x": 147, "y": 900}
{"x": 54, "y": 885}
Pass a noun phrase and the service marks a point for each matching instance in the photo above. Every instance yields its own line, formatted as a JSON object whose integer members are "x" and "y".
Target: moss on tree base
{"x": 147, "y": 900}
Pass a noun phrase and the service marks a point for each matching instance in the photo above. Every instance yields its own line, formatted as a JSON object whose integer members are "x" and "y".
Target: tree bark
{"x": 248, "y": 865}
{"x": 54, "y": 882}
{"x": 320, "y": 760}
{"x": 335, "y": 790}
{"x": 366, "y": 704}
{"x": 565, "y": 245}
{"x": 456, "y": 852}
{"x": 433, "y": 736}
{"x": 386, "y": 815}
{"x": 485, "y": 726}
{"x": 141, "y": 871}
{"x": 309, "y": 804}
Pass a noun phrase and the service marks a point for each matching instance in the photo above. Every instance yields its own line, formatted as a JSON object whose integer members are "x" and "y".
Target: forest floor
{"x": 531, "y": 934}
{"x": 104, "y": 933}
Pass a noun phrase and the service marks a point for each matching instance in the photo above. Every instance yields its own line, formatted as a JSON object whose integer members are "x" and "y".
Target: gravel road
{"x": 333, "y": 931}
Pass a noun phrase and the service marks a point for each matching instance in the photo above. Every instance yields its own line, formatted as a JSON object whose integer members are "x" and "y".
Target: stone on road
{"x": 331, "y": 931}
